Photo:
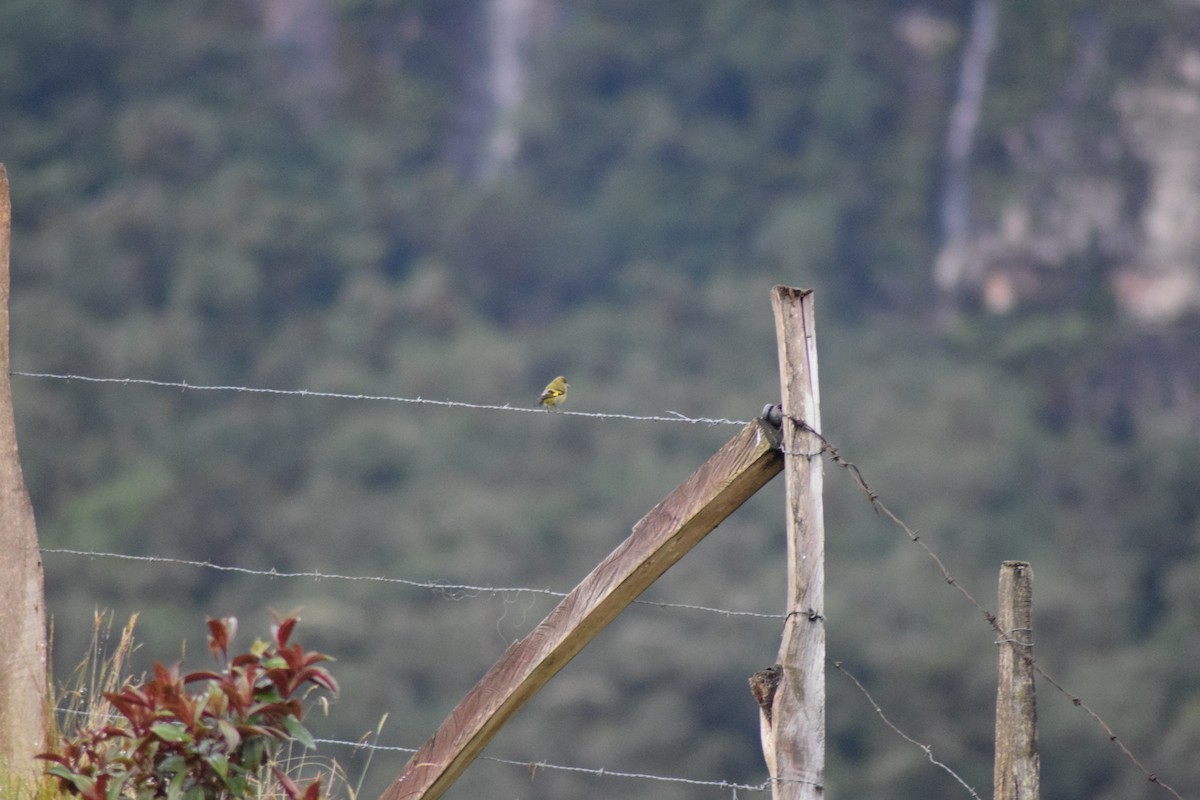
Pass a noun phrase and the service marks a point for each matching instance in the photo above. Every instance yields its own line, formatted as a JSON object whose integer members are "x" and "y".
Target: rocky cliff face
{"x": 1104, "y": 182}
{"x": 1160, "y": 124}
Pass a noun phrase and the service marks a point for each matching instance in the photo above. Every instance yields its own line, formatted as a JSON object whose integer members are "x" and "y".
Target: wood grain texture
{"x": 1017, "y": 768}
{"x": 23, "y": 695}
{"x": 739, "y": 469}
{"x": 796, "y": 751}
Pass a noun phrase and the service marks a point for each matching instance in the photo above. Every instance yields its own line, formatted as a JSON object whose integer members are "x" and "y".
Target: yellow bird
{"x": 555, "y": 393}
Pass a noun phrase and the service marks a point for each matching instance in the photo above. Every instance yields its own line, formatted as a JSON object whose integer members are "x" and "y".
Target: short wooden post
{"x": 794, "y": 732}
{"x": 1017, "y": 766}
{"x": 23, "y": 696}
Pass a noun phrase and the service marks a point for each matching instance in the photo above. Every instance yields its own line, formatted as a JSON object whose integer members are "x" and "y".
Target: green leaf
{"x": 236, "y": 785}
{"x": 299, "y": 732}
{"x": 253, "y": 753}
{"x": 275, "y": 662}
{"x": 171, "y": 765}
{"x": 230, "y": 733}
{"x": 171, "y": 732}
{"x": 82, "y": 784}
{"x": 175, "y": 790}
{"x": 219, "y": 764}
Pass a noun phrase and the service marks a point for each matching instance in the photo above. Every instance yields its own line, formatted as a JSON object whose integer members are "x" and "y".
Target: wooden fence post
{"x": 794, "y": 732}
{"x": 1017, "y": 767}
{"x": 23, "y": 695}
{"x": 735, "y": 472}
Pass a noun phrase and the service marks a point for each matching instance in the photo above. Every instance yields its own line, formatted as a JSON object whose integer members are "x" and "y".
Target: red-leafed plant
{"x": 202, "y": 736}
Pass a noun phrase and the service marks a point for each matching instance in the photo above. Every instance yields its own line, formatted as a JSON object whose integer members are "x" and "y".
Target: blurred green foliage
{"x": 187, "y": 208}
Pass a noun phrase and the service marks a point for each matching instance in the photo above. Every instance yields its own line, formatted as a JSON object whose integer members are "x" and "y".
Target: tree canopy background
{"x": 316, "y": 196}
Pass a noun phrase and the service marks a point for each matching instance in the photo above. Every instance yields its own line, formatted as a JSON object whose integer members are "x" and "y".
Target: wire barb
{"x": 1007, "y": 637}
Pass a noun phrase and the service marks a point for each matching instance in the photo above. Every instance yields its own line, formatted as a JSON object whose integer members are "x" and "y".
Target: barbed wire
{"x": 881, "y": 508}
{"x": 461, "y": 590}
{"x": 923, "y": 747}
{"x": 532, "y": 766}
{"x": 835, "y": 456}
{"x": 674, "y": 416}
{"x": 451, "y": 591}
{"x": 535, "y": 766}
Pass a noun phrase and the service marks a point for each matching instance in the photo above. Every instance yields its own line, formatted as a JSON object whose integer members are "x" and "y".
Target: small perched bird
{"x": 555, "y": 393}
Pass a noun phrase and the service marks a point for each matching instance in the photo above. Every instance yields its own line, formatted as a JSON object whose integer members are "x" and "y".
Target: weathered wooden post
{"x": 684, "y": 517}
{"x": 1016, "y": 773}
{"x": 793, "y": 715}
{"x": 23, "y": 696}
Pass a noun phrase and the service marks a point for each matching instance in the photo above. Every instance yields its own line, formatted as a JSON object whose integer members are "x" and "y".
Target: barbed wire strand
{"x": 923, "y": 747}
{"x": 451, "y": 591}
{"x": 873, "y": 497}
{"x": 532, "y": 766}
{"x": 675, "y": 416}
{"x": 881, "y": 508}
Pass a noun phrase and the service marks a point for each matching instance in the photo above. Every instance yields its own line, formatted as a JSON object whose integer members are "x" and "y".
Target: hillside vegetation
{"x": 227, "y": 193}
